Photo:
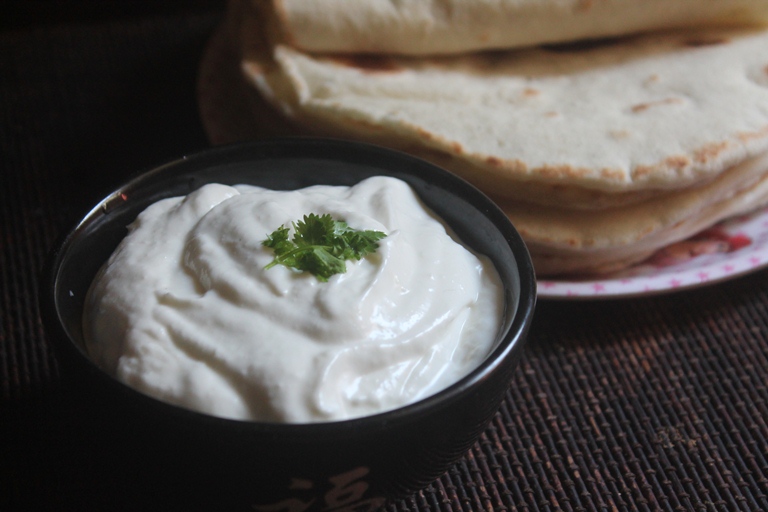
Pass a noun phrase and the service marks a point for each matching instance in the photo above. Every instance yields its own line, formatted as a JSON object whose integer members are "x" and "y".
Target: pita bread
{"x": 563, "y": 241}
{"x": 600, "y": 152}
{"x": 612, "y": 122}
{"x": 420, "y": 27}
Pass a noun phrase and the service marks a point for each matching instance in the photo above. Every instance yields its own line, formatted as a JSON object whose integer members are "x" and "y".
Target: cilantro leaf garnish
{"x": 321, "y": 245}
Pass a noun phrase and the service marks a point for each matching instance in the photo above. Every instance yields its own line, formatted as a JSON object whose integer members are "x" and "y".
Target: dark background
{"x": 654, "y": 403}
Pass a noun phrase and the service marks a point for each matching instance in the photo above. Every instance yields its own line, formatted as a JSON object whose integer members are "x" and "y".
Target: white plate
{"x": 732, "y": 248}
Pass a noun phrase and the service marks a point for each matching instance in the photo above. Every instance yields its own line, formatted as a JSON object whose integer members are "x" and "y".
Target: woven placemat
{"x": 656, "y": 403}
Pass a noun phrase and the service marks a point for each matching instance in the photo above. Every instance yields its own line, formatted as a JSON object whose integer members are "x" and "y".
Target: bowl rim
{"x": 509, "y": 343}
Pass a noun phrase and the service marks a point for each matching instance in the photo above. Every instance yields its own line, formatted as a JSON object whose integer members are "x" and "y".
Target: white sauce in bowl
{"x": 185, "y": 311}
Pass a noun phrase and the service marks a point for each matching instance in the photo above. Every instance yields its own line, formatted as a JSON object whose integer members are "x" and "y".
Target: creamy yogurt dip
{"x": 185, "y": 311}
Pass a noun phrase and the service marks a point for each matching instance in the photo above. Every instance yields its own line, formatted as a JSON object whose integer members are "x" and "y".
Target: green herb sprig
{"x": 321, "y": 245}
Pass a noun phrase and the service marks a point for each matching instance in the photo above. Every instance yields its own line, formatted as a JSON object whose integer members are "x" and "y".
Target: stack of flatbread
{"x": 606, "y": 129}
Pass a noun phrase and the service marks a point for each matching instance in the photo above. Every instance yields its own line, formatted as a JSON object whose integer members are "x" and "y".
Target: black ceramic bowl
{"x": 197, "y": 461}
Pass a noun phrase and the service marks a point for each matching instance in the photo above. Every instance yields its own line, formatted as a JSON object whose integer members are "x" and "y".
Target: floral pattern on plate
{"x": 730, "y": 249}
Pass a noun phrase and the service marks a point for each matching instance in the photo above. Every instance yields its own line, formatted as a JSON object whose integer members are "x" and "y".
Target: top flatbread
{"x": 591, "y": 126}
{"x": 419, "y": 27}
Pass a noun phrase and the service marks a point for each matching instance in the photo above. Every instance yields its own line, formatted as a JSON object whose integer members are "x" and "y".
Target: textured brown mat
{"x": 644, "y": 404}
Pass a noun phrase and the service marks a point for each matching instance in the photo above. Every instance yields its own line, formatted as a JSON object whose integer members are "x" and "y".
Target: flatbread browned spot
{"x": 641, "y": 107}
